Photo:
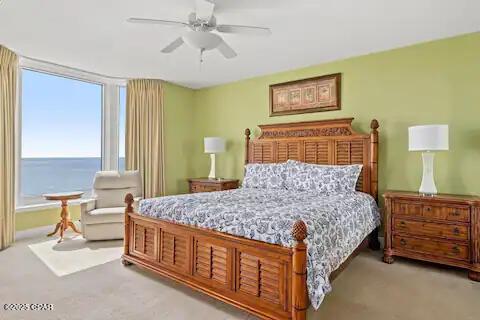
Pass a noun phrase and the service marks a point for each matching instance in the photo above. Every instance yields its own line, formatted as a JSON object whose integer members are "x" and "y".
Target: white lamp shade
{"x": 214, "y": 145}
{"x": 428, "y": 138}
{"x": 202, "y": 40}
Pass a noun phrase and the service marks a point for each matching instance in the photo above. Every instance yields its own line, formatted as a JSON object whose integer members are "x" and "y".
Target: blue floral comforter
{"x": 337, "y": 224}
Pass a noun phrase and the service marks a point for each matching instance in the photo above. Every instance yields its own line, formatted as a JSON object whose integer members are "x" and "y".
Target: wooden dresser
{"x": 208, "y": 185}
{"x": 442, "y": 229}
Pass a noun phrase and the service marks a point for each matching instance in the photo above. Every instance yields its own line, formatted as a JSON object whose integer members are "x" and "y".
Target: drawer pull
{"x": 455, "y": 213}
{"x": 402, "y": 223}
{"x": 455, "y": 250}
{"x": 403, "y": 242}
{"x": 456, "y": 230}
{"x": 429, "y": 209}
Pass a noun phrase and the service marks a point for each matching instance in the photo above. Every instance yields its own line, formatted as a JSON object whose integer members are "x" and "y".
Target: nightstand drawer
{"x": 440, "y": 212}
{"x": 210, "y": 185}
{"x": 204, "y": 188}
{"x": 407, "y": 208}
{"x": 230, "y": 185}
{"x": 452, "y": 213}
{"x": 454, "y": 232}
{"x": 436, "y": 248}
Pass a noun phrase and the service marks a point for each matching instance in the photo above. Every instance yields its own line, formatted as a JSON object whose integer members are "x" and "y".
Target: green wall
{"x": 178, "y": 137}
{"x": 44, "y": 217}
{"x": 435, "y": 82}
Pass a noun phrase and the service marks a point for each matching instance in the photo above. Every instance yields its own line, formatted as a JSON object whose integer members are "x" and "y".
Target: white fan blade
{"x": 204, "y": 9}
{"x": 156, "y": 21}
{"x": 174, "y": 45}
{"x": 254, "y": 31}
{"x": 226, "y": 50}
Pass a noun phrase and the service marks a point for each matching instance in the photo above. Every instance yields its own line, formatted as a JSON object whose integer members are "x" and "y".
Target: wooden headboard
{"x": 320, "y": 142}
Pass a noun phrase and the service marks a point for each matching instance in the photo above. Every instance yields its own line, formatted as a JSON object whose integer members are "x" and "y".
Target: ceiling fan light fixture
{"x": 202, "y": 40}
{"x": 201, "y": 23}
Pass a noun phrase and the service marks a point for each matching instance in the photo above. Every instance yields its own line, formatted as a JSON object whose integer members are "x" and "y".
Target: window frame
{"x": 109, "y": 117}
{"x": 118, "y": 123}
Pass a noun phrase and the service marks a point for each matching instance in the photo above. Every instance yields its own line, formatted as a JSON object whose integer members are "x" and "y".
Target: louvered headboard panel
{"x": 320, "y": 142}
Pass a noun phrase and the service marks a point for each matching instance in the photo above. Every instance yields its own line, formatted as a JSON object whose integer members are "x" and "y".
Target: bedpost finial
{"x": 129, "y": 198}
{"x": 374, "y": 125}
{"x": 129, "y": 201}
{"x": 247, "y": 132}
{"x": 299, "y": 231}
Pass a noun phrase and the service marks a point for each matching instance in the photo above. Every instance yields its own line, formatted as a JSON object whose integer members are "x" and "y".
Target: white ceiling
{"x": 93, "y": 35}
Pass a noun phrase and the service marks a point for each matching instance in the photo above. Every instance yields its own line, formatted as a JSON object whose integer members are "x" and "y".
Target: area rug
{"x": 76, "y": 254}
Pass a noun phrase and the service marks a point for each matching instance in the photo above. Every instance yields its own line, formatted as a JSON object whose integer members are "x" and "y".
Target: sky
{"x": 62, "y": 117}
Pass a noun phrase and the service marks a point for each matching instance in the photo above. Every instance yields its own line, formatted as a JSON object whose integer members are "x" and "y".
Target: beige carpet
{"x": 367, "y": 289}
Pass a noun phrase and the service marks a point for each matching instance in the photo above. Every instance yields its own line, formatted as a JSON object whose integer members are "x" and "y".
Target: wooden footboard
{"x": 264, "y": 279}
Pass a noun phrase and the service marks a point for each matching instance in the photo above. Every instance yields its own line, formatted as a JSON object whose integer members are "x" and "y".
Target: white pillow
{"x": 265, "y": 175}
{"x": 329, "y": 179}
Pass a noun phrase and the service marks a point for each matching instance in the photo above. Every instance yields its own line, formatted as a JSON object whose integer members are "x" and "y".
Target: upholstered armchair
{"x": 103, "y": 216}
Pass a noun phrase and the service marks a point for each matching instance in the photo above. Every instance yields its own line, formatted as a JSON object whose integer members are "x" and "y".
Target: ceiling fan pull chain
{"x": 201, "y": 55}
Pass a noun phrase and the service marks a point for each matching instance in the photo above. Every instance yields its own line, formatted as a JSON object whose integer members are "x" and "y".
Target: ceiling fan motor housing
{"x": 198, "y": 24}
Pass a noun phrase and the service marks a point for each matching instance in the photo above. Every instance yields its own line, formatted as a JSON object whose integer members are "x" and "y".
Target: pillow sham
{"x": 327, "y": 179}
{"x": 265, "y": 175}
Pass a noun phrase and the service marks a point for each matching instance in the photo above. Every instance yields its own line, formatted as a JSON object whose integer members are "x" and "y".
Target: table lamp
{"x": 427, "y": 139}
{"x": 213, "y": 145}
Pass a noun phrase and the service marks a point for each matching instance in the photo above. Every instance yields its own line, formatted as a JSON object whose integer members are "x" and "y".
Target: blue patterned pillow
{"x": 329, "y": 179}
{"x": 265, "y": 175}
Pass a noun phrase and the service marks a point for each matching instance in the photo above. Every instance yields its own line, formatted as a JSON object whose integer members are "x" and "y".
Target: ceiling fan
{"x": 201, "y": 23}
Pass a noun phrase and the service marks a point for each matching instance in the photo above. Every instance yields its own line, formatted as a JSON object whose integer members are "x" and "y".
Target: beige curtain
{"x": 144, "y": 134}
{"x": 8, "y": 97}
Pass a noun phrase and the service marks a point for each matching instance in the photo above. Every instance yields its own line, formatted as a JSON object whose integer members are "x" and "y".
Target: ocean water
{"x": 46, "y": 175}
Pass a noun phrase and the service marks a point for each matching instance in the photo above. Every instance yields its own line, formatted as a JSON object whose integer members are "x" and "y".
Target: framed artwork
{"x": 307, "y": 95}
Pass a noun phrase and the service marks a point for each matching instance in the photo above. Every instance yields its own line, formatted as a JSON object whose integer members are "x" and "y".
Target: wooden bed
{"x": 266, "y": 280}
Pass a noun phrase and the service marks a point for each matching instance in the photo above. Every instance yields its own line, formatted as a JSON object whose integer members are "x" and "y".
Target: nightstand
{"x": 442, "y": 229}
{"x": 208, "y": 185}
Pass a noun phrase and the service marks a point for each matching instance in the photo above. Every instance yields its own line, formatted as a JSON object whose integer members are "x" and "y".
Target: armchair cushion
{"x": 105, "y": 215}
{"x": 107, "y": 198}
{"x": 111, "y": 187}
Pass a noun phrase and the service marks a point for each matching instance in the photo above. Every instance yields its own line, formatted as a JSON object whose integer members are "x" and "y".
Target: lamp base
{"x": 428, "y": 182}
{"x": 212, "y": 174}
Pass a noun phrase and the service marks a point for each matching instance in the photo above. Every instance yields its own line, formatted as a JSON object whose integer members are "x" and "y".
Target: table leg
{"x": 62, "y": 229}
{"x": 65, "y": 219}
{"x": 72, "y": 225}
{"x": 56, "y": 229}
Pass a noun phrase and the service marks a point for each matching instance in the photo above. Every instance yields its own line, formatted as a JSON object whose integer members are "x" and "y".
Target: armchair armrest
{"x": 87, "y": 205}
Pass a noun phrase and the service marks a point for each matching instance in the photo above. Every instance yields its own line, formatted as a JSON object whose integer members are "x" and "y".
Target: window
{"x": 68, "y": 129}
{"x": 61, "y": 135}
{"x": 122, "y": 96}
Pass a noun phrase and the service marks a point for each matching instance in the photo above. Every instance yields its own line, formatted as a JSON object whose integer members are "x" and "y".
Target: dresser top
{"x": 207, "y": 180}
{"x": 437, "y": 197}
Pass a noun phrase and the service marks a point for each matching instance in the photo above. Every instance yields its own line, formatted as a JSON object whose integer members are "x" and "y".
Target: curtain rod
{"x": 73, "y": 68}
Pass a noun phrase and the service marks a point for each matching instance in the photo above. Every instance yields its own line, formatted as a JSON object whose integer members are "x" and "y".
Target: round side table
{"x": 65, "y": 221}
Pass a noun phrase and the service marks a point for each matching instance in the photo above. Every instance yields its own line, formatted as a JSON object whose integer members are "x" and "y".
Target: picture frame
{"x": 315, "y": 94}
